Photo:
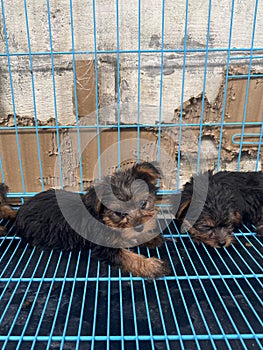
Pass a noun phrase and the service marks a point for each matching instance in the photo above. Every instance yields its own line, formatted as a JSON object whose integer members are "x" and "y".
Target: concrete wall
{"x": 150, "y": 39}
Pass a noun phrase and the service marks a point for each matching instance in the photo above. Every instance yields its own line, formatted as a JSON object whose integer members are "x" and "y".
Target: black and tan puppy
{"x": 117, "y": 213}
{"x": 212, "y": 206}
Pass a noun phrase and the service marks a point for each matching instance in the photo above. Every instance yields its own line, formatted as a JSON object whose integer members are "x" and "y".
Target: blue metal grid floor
{"x": 213, "y": 299}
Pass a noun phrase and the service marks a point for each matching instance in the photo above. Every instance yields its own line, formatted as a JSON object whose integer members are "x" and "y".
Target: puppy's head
{"x": 126, "y": 202}
{"x": 210, "y": 219}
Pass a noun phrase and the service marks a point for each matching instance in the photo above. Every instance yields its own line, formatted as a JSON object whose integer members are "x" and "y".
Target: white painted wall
{"x": 150, "y": 39}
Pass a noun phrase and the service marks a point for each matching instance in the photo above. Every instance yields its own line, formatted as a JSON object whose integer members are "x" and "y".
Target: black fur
{"x": 212, "y": 206}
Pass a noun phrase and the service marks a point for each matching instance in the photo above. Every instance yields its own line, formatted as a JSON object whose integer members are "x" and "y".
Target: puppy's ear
{"x": 148, "y": 172}
{"x": 182, "y": 208}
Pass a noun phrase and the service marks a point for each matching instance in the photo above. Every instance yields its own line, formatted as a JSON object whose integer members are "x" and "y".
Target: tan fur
{"x": 139, "y": 265}
{"x": 235, "y": 217}
{"x": 2, "y": 231}
{"x": 184, "y": 206}
{"x": 211, "y": 241}
{"x": 6, "y": 212}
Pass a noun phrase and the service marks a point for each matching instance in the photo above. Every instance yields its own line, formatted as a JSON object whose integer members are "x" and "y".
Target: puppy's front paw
{"x": 141, "y": 266}
{"x": 155, "y": 268}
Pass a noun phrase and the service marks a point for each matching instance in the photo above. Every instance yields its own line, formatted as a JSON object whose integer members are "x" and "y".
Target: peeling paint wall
{"x": 106, "y": 36}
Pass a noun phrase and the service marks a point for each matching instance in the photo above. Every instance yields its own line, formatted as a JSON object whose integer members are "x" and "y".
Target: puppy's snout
{"x": 139, "y": 228}
{"x": 222, "y": 243}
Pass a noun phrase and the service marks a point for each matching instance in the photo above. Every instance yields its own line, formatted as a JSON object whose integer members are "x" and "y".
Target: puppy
{"x": 117, "y": 213}
{"x": 6, "y": 212}
{"x": 212, "y": 206}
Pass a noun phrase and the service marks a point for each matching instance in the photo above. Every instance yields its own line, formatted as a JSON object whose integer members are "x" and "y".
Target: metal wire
{"x": 213, "y": 298}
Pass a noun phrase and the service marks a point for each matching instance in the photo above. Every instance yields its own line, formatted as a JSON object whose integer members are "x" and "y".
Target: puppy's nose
{"x": 222, "y": 243}
{"x": 139, "y": 228}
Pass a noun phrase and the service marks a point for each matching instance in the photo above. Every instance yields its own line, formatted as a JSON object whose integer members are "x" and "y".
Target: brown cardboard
{"x": 68, "y": 160}
{"x": 27, "y": 143}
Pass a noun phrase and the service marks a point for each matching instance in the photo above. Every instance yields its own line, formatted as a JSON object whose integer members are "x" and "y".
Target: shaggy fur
{"x": 120, "y": 212}
{"x": 212, "y": 206}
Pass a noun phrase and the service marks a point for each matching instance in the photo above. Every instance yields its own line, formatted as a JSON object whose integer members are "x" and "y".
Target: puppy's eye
{"x": 120, "y": 214}
{"x": 143, "y": 204}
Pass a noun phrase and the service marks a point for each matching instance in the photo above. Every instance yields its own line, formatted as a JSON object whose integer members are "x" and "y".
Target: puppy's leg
{"x": 141, "y": 266}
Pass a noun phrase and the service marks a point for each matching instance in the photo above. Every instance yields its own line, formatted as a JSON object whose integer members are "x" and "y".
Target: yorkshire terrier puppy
{"x": 213, "y": 206}
{"x": 6, "y": 212}
{"x": 117, "y": 213}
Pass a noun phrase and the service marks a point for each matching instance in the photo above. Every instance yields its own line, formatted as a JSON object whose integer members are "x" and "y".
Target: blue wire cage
{"x": 65, "y": 300}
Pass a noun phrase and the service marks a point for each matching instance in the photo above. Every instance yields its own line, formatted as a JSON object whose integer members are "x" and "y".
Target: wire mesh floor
{"x": 211, "y": 300}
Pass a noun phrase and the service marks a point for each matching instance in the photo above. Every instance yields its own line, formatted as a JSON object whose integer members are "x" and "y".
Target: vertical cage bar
{"x": 248, "y": 85}
{"x": 139, "y": 85}
{"x": 54, "y": 93}
{"x": 147, "y": 312}
{"x": 75, "y": 93}
{"x": 182, "y": 97}
{"x": 70, "y": 302}
{"x": 95, "y": 307}
{"x": 118, "y": 84}
{"x": 225, "y": 86}
{"x": 83, "y": 301}
{"x": 161, "y": 87}
{"x": 97, "y": 85}
{"x": 134, "y": 314}
{"x": 121, "y": 312}
{"x": 33, "y": 95}
{"x": 204, "y": 87}
{"x": 160, "y": 312}
{"x": 260, "y": 145}
{"x": 108, "y": 308}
